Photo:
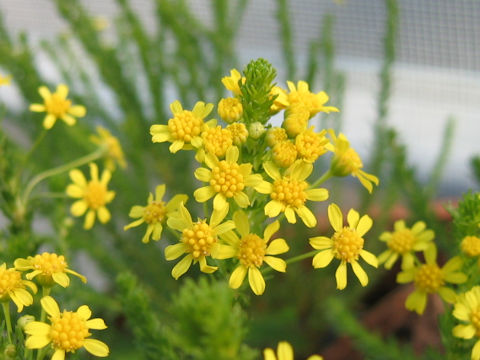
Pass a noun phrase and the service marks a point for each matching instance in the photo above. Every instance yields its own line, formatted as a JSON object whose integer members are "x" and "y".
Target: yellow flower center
{"x": 289, "y": 191}
{"x": 230, "y": 109}
{"x": 49, "y": 263}
{"x": 199, "y": 238}
{"x": 252, "y": 250}
{"x": 154, "y": 212}
{"x": 276, "y": 135}
{"x": 475, "y": 319}
{"x": 239, "y": 133}
{"x": 402, "y": 241}
{"x": 95, "y": 194}
{"x": 185, "y": 126}
{"x": 471, "y": 245}
{"x": 217, "y": 141}
{"x": 310, "y": 145}
{"x": 57, "y": 105}
{"x": 227, "y": 179}
{"x": 10, "y": 279}
{"x": 68, "y": 331}
{"x": 428, "y": 278}
{"x": 284, "y": 153}
{"x": 347, "y": 244}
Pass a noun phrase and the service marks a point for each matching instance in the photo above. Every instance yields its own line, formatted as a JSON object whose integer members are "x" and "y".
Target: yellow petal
{"x": 256, "y": 281}
{"x": 273, "y": 208}
{"x": 84, "y": 312}
{"x": 307, "y": 216}
{"x": 75, "y": 191}
{"x": 322, "y": 259}
{"x": 205, "y": 268}
{"x": 96, "y": 324}
{"x": 136, "y": 211}
{"x": 225, "y": 227}
{"x": 364, "y": 225}
{"x": 77, "y": 177}
{"x": 37, "y": 328}
{"x": 335, "y": 217}
{"x": 134, "y": 224}
{"x": 222, "y": 251}
{"x": 176, "y": 146}
{"x": 277, "y": 246}
{"x": 44, "y": 92}
{"x": 37, "y": 341}
{"x": 242, "y": 199}
{"x": 173, "y": 252}
{"x": 61, "y": 279}
{"x": 174, "y": 202}
{"x": 461, "y": 312}
{"x": 290, "y": 215}
{"x": 353, "y": 217}
{"x": 232, "y": 154}
{"x": 182, "y": 267}
{"x": 219, "y": 202}
{"x": 79, "y": 207}
{"x": 62, "y": 91}
{"x": 301, "y": 170}
{"x": 361, "y": 274}
{"x": 89, "y": 220}
{"x": 37, "y": 108}
{"x": 242, "y": 224}
{"x": 176, "y": 107}
{"x": 341, "y": 276}
{"x": 50, "y": 306}
{"x": 105, "y": 178}
{"x": 49, "y": 121}
{"x": 447, "y": 294}
{"x": 476, "y": 351}
{"x": 268, "y": 354}
{"x": 203, "y": 174}
{"x": 96, "y": 347}
{"x": 416, "y": 301}
{"x": 321, "y": 242}
{"x": 103, "y": 214}
{"x": 272, "y": 170}
{"x": 69, "y": 120}
{"x": 369, "y": 258}
{"x": 236, "y": 279}
{"x": 77, "y": 110}
{"x": 270, "y": 230}
{"x": 317, "y": 194}
{"x": 276, "y": 263}
{"x": 59, "y": 354}
{"x": 284, "y": 351}
{"x": 157, "y": 231}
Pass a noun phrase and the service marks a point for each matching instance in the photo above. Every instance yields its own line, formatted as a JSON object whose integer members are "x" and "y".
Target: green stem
{"x": 327, "y": 175}
{"x": 6, "y": 311}
{"x": 30, "y": 152}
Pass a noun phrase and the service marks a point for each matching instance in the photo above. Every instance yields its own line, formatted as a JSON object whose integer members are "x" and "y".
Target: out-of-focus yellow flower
{"x": 284, "y": 153}
{"x": 467, "y": 309}
{"x": 281, "y": 100}
{"x": 429, "y": 278}
{"x": 13, "y": 287}
{"x": 276, "y": 135}
{"x": 155, "y": 213}
{"x": 5, "y": 80}
{"x": 94, "y": 195}
{"x": 403, "y": 242}
{"x": 346, "y": 245}
{"x": 230, "y": 109}
{"x": 315, "y": 103}
{"x": 114, "y": 149}
{"x": 57, "y": 106}
{"x": 68, "y": 331}
{"x": 470, "y": 246}
{"x": 284, "y": 352}
{"x": 311, "y": 145}
{"x": 185, "y": 128}
{"x": 100, "y": 23}
{"x": 239, "y": 133}
{"x": 252, "y": 251}
{"x": 296, "y": 119}
{"x": 48, "y": 268}
{"x": 231, "y": 82}
{"x": 199, "y": 239}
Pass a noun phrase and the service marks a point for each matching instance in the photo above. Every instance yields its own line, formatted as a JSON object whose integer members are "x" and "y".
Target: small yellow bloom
{"x": 296, "y": 119}
{"x": 57, "y": 106}
{"x": 155, "y": 213}
{"x": 276, "y": 135}
{"x": 290, "y": 191}
{"x": 12, "y": 287}
{"x": 217, "y": 140}
{"x": 311, "y": 145}
{"x": 403, "y": 242}
{"x": 347, "y": 162}
{"x": 467, "y": 310}
{"x": 429, "y": 278}
{"x": 5, "y": 80}
{"x": 232, "y": 82}
{"x": 94, "y": 195}
{"x": 68, "y": 331}
{"x": 281, "y": 101}
{"x": 252, "y": 251}
{"x": 114, "y": 149}
{"x": 49, "y": 269}
{"x": 300, "y": 94}
{"x": 256, "y": 130}
{"x": 345, "y": 245}
{"x": 284, "y": 153}
{"x": 284, "y": 352}
{"x": 470, "y": 246}
{"x": 230, "y": 109}
{"x": 199, "y": 239}
{"x": 239, "y": 133}
{"x": 184, "y": 129}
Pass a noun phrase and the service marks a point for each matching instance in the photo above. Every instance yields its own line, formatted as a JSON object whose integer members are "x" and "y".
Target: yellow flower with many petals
{"x": 57, "y": 106}
{"x": 315, "y": 103}
{"x": 68, "y": 331}
{"x": 403, "y": 242}
{"x": 114, "y": 149}
{"x": 276, "y": 135}
{"x": 429, "y": 278}
{"x": 217, "y": 140}
{"x": 199, "y": 239}
{"x": 48, "y": 268}
{"x": 289, "y": 192}
{"x": 311, "y": 145}
{"x": 184, "y": 129}
{"x": 5, "y": 80}
{"x": 467, "y": 309}
{"x": 284, "y": 153}
{"x": 227, "y": 180}
{"x": 239, "y": 133}
{"x": 230, "y": 109}
{"x": 94, "y": 195}
{"x": 284, "y": 352}
{"x": 346, "y": 245}
{"x": 155, "y": 213}
{"x": 347, "y": 162}
{"x": 13, "y": 287}
{"x": 252, "y": 251}
{"x": 232, "y": 82}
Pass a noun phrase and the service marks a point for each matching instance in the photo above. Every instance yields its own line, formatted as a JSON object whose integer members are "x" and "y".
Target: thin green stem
{"x": 8, "y": 321}
{"x": 327, "y": 175}
{"x": 37, "y": 142}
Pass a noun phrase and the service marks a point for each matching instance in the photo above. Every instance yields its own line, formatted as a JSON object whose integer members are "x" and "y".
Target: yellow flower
{"x": 284, "y": 352}
{"x": 216, "y": 141}
{"x": 345, "y": 245}
{"x": 49, "y": 269}
{"x": 12, "y": 287}
{"x": 314, "y": 102}
{"x": 470, "y": 246}
{"x": 239, "y": 133}
{"x": 184, "y": 129}
{"x": 296, "y": 119}
{"x": 252, "y": 251}
{"x": 154, "y": 213}
{"x": 467, "y": 309}
{"x": 429, "y": 278}
{"x": 311, "y": 145}
{"x": 94, "y": 195}
{"x": 227, "y": 179}
{"x": 231, "y": 82}
{"x": 230, "y": 109}
{"x": 5, "y": 80}
{"x": 290, "y": 191}
{"x": 346, "y": 161}
{"x": 284, "y": 153}
{"x": 276, "y": 135}
{"x": 199, "y": 239}
{"x": 68, "y": 332}
{"x": 403, "y": 241}
{"x": 57, "y": 106}
{"x": 281, "y": 101}
{"x": 114, "y": 149}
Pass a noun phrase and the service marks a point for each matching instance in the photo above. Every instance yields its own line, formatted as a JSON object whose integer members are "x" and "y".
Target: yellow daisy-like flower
{"x": 290, "y": 191}
{"x": 403, "y": 242}
{"x": 276, "y": 135}
{"x": 284, "y": 352}
{"x": 252, "y": 251}
{"x": 230, "y": 109}
{"x": 429, "y": 278}
{"x": 227, "y": 180}
{"x": 68, "y": 331}
{"x": 470, "y": 246}
{"x": 155, "y": 213}
{"x": 281, "y": 100}
{"x": 5, "y": 80}
{"x": 199, "y": 239}
{"x": 239, "y": 133}
{"x": 296, "y": 119}
{"x": 346, "y": 161}
{"x": 94, "y": 195}
{"x": 231, "y": 82}
{"x": 315, "y": 103}
{"x": 346, "y": 245}
{"x": 467, "y": 309}
{"x": 13, "y": 287}
{"x": 311, "y": 145}
{"x": 184, "y": 129}
{"x": 284, "y": 153}
{"x": 57, "y": 106}
{"x": 114, "y": 149}
{"x": 48, "y": 268}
